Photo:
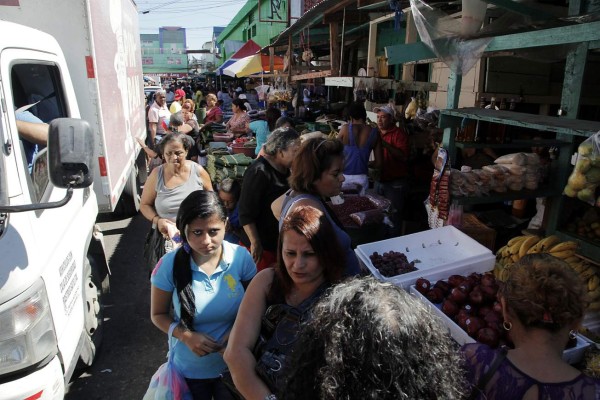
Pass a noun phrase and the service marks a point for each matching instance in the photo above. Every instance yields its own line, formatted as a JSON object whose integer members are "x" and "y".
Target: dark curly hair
{"x": 314, "y": 157}
{"x": 372, "y": 340}
{"x": 542, "y": 291}
{"x": 198, "y": 204}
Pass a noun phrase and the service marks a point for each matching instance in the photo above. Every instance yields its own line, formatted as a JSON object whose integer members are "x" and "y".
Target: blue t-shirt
{"x": 31, "y": 149}
{"x": 261, "y": 131}
{"x": 217, "y": 300}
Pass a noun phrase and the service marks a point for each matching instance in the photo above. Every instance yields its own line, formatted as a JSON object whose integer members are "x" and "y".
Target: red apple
{"x": 450, "y": 308}
{"x": 444, "y": 286}
{"x": 458, "y": 296}
{"x": 435, "y": 295}
{"x": 476, "y": 297}
{"x": 488, "y": 279}
{"x": 473, "y": 325}
{"x": 455, "y": 280}
{"x": 489, "y": 292}
{"x": 422, "y": 285}
{"x": 488, "y": 336}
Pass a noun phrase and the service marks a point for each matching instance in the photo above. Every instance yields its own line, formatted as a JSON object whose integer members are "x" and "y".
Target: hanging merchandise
{"x": 438, "y": 202}
{"x": 307, "y": 54}
{"x": 585, "y": 177}
{"x": 360, "y": 90}
{"x": 399, "y": 17}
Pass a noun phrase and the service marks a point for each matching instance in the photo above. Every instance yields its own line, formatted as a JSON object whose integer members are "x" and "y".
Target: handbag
{"x": 154, "y": 248}
{"x": 167, "y": 383}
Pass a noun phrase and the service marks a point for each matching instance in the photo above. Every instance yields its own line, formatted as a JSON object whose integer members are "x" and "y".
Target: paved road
{"x": 132, "y": 348}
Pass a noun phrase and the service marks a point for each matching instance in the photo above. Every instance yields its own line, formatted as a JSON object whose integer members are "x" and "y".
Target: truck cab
{"x": 53, "y": 270}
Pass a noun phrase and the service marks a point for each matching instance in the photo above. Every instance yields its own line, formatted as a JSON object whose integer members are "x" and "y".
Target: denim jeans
{"x": 209, "y": 389}
{"x": 395, "y": 191}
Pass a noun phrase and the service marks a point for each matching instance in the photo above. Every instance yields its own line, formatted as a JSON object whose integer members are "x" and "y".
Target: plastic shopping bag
{"x": 585, "y": 177}
{"x": 167, "y": 383}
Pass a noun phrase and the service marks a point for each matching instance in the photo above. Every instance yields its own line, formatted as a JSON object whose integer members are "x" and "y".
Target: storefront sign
{"x": 273, "y": 11}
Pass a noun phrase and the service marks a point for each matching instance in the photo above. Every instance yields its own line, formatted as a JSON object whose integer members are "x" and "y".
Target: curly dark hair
{"x": 372, "y": 340}
{"x": 314, "y": 157}
{"x": 542, "y": 291}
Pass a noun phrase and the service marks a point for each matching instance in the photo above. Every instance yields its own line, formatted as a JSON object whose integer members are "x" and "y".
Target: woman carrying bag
{"x": 204, "y": 280}
{"x": 165, "y": 189}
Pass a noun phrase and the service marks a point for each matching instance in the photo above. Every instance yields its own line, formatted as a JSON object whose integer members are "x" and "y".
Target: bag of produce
{"x": 514, "y": 158}
{"x": 585, "y": 177}
{"x": 369, "y": 217}
{"x": 379, "y": 201}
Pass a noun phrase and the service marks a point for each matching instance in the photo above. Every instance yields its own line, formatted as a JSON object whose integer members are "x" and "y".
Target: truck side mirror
{"x": 70, "y": 153}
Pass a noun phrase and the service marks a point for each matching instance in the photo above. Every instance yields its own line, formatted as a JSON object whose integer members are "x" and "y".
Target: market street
{"x": 132, "y": 348}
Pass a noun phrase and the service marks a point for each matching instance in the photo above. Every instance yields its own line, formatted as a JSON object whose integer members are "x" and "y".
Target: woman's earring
{"x": 186, "y": 247}
{"x": 507, "y": 325}
{"x": 572, "y": 334}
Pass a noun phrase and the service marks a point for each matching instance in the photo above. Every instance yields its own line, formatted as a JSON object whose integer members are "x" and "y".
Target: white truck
{"x": 75, "y": 65}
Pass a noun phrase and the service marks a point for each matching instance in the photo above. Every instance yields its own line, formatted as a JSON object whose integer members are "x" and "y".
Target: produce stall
{"x": 459, "y": 279}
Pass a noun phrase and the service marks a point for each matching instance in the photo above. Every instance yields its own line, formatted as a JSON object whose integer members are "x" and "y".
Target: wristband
{"x": 155, "y": 224}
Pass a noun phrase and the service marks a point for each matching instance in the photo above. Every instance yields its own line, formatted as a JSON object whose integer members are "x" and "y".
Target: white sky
{"x": 197, "y": 16}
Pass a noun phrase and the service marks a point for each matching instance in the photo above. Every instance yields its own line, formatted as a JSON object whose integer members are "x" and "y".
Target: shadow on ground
{"x": 132, "y": 348}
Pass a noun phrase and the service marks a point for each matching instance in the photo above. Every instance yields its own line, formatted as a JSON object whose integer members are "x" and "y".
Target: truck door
{"x": 37, "y": 94}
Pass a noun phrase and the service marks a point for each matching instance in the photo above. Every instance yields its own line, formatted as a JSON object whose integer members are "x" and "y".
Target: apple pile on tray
{"x": 470, "y": 301}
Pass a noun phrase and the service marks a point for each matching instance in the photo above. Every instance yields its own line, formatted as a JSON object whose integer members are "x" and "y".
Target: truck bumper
{"x": 46, "y": 383}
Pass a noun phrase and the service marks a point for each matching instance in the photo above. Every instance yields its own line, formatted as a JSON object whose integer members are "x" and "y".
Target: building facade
{"x": 164, "y": 54}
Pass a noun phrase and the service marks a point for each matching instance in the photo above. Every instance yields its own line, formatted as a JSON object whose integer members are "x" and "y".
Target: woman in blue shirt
{"x": 205, "y": 280}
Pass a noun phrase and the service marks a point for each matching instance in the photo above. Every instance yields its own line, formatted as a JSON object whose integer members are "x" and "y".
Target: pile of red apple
{"x": 471, "y": 302}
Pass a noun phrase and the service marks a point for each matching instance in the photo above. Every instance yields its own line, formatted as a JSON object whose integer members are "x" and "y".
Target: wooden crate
{"x": 478, "y": 231}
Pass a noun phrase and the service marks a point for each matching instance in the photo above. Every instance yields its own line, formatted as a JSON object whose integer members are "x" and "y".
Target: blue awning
{"x": 226, "y": 64}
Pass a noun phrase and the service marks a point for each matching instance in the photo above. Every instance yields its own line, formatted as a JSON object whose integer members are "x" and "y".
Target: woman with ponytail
{"x": 204, "y": 280}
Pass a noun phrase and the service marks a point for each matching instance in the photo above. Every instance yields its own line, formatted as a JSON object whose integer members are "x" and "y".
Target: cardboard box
{"x": 478, "y": 231}
{"x": 441, "y": 252}
{"x": 572, "y": 355}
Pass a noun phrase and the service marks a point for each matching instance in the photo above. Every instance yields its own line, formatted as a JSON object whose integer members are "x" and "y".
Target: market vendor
{"x": 214, "y": 114}
{"x": 393, "y": 183}
{"x": 239, "y": 124}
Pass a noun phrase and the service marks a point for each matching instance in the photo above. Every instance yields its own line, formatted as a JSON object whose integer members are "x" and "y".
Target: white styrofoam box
{"x": 572, "y": 355}
{"x": 441, "y": 252}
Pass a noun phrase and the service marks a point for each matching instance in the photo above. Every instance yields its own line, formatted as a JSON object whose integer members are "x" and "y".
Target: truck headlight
{"x": 27, "y": 333}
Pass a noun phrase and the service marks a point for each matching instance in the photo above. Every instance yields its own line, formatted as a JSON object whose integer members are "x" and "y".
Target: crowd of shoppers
{"x": 262, "y": 283}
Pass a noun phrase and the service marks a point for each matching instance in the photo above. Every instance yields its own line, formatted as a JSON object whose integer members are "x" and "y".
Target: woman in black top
{"x": 264, "y": 181}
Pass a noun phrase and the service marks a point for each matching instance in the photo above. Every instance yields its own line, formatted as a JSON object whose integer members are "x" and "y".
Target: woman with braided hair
{"x": 204, "y": 280}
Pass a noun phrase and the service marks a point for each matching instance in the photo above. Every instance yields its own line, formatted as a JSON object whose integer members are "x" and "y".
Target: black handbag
{"x": 154, "y": 248}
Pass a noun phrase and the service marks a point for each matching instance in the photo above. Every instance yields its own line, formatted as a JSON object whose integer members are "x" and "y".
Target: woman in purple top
{"x": 359, "y": 140}
{"x": 542, "y": 303}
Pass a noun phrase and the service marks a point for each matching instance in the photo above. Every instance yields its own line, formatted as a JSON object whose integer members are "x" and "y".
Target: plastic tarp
{"x": 449, "y": 38}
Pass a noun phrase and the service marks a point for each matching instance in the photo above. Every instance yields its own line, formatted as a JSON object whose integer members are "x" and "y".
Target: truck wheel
{"x": 129, "y": 203}
{"x": 95, "y": 285}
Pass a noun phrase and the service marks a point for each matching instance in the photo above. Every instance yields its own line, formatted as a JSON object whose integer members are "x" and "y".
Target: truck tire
{"x": 95, "y": 286}
{"x": 129, "y": 203}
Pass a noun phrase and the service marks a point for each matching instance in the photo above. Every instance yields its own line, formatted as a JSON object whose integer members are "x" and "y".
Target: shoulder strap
{"x": 351, "y": 140}
{"x": 160, "y": 178}
{"x": 483, "y": 381}
{"x": 288, "y": 202}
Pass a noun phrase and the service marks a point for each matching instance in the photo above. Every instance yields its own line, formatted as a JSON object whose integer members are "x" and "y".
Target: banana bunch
{"x": 519, "y": 246}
